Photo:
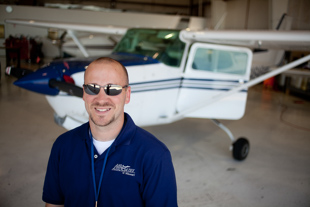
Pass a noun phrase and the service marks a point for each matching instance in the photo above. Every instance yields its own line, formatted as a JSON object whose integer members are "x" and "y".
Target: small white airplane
{"x": 173, "y": 74}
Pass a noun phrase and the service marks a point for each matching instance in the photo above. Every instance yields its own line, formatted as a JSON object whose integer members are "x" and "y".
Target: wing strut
{"x": 78, "y": 43}
{"x": 255, "y": 81}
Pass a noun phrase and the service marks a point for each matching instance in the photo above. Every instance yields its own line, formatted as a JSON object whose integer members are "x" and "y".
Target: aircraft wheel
{"x": 241, "y": 148}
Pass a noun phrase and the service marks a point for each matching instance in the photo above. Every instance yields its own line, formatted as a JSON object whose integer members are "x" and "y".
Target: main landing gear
{"x": 240, "y": 147}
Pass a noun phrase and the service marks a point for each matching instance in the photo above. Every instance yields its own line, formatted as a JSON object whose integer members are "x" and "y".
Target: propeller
{"x": 17, "y": 72}
{"x": 67, "y": 87}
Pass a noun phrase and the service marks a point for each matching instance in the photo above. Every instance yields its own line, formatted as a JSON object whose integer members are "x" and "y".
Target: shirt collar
{"x": 124, "y": 137}
{"x": 127, "y": 133}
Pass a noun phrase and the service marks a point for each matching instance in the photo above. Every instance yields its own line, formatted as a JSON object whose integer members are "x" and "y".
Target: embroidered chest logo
{"x": 126, "y": 170}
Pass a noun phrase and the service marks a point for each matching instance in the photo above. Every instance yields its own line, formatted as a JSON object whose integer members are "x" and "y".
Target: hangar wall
{"x": 248, "y": 14}
{"x": 300, "y": 10}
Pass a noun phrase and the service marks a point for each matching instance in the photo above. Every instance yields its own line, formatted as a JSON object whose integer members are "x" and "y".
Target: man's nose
{"x": 101, "y": 94}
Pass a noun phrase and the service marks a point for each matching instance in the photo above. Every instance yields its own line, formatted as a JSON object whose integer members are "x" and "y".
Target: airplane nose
{"x": 37, "y": 82}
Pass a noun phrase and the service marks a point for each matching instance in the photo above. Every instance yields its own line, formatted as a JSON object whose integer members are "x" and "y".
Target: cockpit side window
{"x": 220, "y": 61}
{"x": 163, "y": 45}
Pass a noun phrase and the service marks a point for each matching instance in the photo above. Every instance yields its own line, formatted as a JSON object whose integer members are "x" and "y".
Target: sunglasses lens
{"x": 113, "y": 90}
{"x": 91, "y": 89}
{"x": 110, "y": 90}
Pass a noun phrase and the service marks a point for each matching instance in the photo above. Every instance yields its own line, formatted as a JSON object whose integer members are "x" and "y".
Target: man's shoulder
{"x": 149, "y": 141}
{"x": 142, "y": 138}
{"x": 78, "y": 133}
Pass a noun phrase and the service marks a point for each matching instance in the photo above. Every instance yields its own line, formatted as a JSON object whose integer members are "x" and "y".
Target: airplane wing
{"x": 264, "y": 39}
{"x": 71, "y": 28}
{"x": 107, "y": 29}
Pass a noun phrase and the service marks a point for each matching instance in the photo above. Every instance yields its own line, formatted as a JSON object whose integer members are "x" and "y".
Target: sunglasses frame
{"x": 107, "y": 88}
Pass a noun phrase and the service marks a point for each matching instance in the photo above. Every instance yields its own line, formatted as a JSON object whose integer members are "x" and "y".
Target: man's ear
{"x": 83, "y": 94}
{"x": 128, "y": 93}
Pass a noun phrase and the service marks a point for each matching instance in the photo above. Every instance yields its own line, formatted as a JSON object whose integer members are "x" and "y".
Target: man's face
{"x": 104, "y": 110}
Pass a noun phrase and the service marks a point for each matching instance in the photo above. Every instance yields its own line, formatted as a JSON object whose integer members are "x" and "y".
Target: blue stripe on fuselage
{"x": 166, "y": 84}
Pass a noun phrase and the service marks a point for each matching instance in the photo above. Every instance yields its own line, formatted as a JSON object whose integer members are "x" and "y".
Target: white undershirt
{"x": 101, "y": 146}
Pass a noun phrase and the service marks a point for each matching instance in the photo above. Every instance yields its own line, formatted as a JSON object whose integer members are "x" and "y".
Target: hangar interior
{"x": 276, "y": 121}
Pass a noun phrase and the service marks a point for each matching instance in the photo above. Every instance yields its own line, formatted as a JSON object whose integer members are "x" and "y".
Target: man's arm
{"x": 52, "y": 205}
{"x": 51, "y": 188}
{"x": 160, "y": 187}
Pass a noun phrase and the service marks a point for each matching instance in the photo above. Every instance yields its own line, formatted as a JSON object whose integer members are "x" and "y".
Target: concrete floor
{"x": 276, "y": 172}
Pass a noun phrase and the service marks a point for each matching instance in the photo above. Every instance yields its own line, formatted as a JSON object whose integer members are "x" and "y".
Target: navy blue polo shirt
{"x": 138, "y": 172}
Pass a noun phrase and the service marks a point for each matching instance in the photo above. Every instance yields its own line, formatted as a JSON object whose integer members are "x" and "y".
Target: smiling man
{"x": 109, "y": 161}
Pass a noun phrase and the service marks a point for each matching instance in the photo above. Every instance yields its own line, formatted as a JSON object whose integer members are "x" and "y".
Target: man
{"x": 109, "y": 161}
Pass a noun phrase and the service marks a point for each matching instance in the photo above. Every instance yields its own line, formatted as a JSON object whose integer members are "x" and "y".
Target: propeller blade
{"x": 17, "y": 72}
{"x": 67, "y": 87}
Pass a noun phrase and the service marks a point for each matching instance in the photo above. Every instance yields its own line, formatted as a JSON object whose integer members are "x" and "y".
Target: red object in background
{"x": 23, "y": 48}
{"x": 15, "y": 44}
{"x": 269, "y": 83}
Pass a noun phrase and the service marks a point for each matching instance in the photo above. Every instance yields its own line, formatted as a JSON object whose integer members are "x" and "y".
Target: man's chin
{"x": 101, "y": 122}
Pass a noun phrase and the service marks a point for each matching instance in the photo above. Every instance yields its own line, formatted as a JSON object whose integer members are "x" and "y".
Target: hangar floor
{"x": 276, "y": 172}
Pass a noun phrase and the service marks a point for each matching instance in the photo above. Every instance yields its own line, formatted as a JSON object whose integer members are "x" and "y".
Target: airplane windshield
{"x": 163, "y": 45}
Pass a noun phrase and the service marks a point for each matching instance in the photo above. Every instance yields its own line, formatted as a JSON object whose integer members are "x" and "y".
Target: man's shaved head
{"x": 108, "y": 60}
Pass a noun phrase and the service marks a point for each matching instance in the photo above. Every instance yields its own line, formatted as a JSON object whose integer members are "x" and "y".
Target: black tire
{"x": 241, "y": 148}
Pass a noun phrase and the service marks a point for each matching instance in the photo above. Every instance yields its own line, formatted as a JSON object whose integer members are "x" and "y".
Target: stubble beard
{"x": 102, "y": 125}
{"x": 108, "y": 121}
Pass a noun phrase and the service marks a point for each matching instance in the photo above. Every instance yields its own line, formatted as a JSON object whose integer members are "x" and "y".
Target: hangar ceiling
{"x": 180, "y": 7}
{"x": 238, "y": 14}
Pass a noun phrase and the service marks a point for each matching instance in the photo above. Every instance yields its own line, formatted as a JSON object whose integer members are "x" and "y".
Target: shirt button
{"x": 95, "y": 156}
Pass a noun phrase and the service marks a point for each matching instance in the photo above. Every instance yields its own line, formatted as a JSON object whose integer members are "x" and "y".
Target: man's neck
{"x": 105, "y": 133}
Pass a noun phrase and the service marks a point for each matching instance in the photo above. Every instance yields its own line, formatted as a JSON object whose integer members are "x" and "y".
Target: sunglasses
{"x": 110, "y": 89}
